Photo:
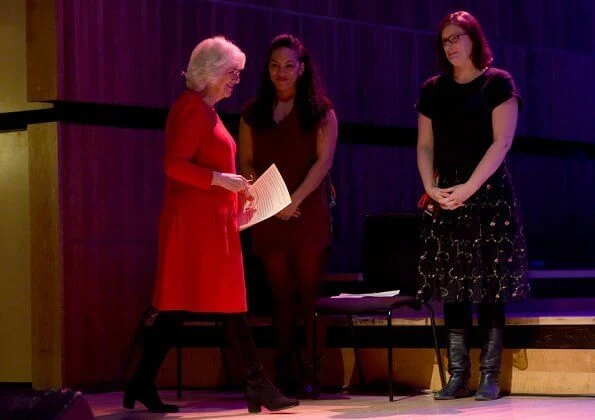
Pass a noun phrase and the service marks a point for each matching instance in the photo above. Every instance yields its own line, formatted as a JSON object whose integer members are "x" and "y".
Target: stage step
{"x": 550, "y": 349}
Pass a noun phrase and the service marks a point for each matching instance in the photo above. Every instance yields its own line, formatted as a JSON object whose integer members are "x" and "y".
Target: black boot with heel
{"x": 459, "y": 367}
{"x": 141, "y": 386}
{"x": 457, "y": 319}
{"x": 260, "y": 391}
{"x": 491, "y": 322}
{"x": 489, "y": 366}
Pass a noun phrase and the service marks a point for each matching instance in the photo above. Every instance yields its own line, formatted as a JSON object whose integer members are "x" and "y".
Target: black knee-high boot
{"x": 457, "y": 318}
{"x": 491, "y": 323}
{"x": 141, "y": 386}
{"x": 259, "y": 389}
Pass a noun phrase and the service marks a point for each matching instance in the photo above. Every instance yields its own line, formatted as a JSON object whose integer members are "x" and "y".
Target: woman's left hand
{"x": 293, "y": 210}
{"x": 246, "y": 199}
{"x": 459, "y": 194}
{"x": 245, "y": 216}
{"x": 246, "y": 205}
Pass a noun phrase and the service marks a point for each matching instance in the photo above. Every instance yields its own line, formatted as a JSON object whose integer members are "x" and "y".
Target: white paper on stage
{"x": 270, "y": 196}
{"x": 389, "y": 293}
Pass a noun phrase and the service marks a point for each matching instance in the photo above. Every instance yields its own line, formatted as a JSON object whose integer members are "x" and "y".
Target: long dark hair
{"x": 312, "y": 104}
{"x": 481, "y": 55}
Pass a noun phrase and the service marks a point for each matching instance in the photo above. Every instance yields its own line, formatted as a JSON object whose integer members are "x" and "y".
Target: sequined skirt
{"x": 476, "y": 252}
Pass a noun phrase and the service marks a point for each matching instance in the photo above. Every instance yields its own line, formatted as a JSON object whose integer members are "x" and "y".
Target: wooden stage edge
{"x": 559, "y": 358}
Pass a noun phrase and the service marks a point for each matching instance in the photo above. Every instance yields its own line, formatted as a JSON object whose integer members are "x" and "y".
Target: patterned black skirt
{"x": 477, "y": 252}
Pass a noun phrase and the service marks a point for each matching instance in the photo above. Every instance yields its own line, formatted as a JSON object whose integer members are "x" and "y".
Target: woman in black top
{"x": 473, "y": 248}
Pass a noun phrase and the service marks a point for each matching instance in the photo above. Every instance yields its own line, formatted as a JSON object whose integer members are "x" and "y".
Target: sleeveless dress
{"x": 477, "y": 252}
{"x": 293, "y": 151}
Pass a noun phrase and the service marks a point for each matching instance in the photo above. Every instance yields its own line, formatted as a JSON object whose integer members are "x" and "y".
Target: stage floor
{"x": 211, "y": 405}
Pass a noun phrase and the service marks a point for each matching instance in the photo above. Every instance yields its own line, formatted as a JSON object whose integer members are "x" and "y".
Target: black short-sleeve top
{"x": 461, "y": 115}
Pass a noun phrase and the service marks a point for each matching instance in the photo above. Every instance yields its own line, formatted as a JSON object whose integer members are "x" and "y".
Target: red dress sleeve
{"x": 184, "y": 132}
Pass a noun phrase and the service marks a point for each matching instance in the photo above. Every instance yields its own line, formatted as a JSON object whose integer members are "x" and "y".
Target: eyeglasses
{"x": 452, "y": 40}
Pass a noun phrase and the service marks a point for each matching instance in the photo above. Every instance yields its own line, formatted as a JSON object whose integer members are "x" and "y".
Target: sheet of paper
{"x": 270, "y": 196}
{"x": 389, "y": 293}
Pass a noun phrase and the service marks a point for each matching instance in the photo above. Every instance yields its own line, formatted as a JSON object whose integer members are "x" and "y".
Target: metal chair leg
{"x": 436, "y": 348}
{"x": 315, "y": 373}
{"x": 179, "y": 368}
{"x": 358, "y": 359}
{"x": 389, "y": 323}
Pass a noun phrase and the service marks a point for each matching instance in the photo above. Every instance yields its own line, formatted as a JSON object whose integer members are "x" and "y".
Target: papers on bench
{"x": 270, "y": 196}
{"x": 389, "y": 293}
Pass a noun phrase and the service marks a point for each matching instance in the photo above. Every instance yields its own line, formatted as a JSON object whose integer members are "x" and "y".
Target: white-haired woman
{"x": 200, "y": 259}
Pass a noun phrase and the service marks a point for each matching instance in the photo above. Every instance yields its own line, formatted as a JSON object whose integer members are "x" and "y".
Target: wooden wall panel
{"x": 373, "y": 54}
{"x": 112, "y": 182}
{"x": 565, "y": 25}
{"x": 559, "y": 216}
{"x": 42, "y": 58}
{"x": 551, "y": 192}
{"x": 15, "y": 258}
{"x": 107, "y": 289}
{"x": 111, "y": 189}
{"x": 46, "y": 257}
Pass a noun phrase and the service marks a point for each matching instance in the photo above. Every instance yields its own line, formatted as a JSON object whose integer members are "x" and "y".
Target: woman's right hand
{"x": 443, "y": 196}
{"x": 439, "y": 195}
{"x": 231, "y": 182}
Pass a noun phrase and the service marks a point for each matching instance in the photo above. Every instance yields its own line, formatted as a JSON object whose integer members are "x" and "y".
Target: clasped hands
{"x": 451, "y": 198}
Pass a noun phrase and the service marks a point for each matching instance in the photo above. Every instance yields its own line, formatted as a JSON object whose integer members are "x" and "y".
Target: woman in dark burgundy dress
{"x": 473, "y": 248}
{"x": 200, "y": 257}
{"x": 291, "y": 124}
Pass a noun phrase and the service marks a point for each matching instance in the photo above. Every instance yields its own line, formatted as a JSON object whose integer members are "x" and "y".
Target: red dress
{"x": 294, "y": 152}
{"x": 200, "y": 265}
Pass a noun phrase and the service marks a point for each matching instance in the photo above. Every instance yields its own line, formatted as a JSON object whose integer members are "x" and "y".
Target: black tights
{"x": 459, "y": 315}
{"x": 167, "y": 324}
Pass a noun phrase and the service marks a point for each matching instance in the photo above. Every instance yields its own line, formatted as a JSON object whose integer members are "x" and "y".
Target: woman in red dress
{"x": 292, "y": 124}
{"x": 200, "y": 258}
